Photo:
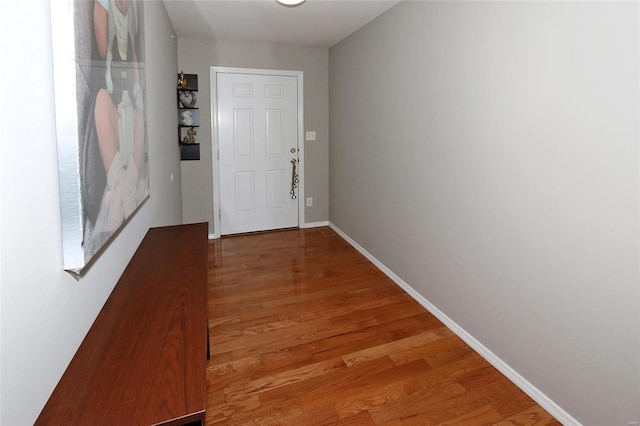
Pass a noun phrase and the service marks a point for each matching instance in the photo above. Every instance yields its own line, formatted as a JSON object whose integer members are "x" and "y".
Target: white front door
{"x": 257, "y": 124}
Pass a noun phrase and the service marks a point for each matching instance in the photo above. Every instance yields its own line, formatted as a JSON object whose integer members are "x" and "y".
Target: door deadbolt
{"x": 293, "y": 150}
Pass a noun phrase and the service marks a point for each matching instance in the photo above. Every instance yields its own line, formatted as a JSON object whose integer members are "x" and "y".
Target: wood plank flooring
{"x": 305, "y": 331}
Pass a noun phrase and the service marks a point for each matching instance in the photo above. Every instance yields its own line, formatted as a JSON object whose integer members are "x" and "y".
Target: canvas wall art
{"x": 99, "y": 82}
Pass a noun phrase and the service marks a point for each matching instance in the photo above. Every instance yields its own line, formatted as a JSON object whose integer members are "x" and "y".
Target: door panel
{"x": 245, "y": 193}
{"x": 275, "y": 132}
{"x": 275, "y": 190}
{"x": 257, "y": 129}
{"x": 243, "y": 132}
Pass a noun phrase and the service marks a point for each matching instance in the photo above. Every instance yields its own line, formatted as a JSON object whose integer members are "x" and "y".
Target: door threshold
{"x": 266, "y": 231}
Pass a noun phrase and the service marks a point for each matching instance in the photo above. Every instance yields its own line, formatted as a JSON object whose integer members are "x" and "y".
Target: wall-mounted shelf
{"x": 188, "y": 116}
{"x": 190, "y": 151}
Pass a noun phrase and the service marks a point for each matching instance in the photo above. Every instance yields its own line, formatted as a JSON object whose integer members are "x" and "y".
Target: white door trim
{"x": 215, "y": 160}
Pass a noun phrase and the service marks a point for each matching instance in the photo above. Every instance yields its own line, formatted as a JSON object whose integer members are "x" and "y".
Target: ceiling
{"x": 315, "y": 23}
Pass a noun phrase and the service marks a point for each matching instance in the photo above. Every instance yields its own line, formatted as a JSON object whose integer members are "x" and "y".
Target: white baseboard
{"x": 315, "y": 224}
{"x": 214, "y": 236}
{"x": 544, "y": 401}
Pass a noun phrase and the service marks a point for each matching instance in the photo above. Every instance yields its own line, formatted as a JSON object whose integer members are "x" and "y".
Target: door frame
{"x": 215, "y": 151}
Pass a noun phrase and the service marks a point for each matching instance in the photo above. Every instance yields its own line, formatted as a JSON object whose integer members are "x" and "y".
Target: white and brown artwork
{"x": 99, "y": 79}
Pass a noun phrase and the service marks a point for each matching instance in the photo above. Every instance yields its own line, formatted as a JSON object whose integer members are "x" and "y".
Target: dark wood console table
{"x": 144, "y": 359}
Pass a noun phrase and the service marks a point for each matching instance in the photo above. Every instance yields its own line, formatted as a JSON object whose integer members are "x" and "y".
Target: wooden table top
{"x": 144, "y": 359}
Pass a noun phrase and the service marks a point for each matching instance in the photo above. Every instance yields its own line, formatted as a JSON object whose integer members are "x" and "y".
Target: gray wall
{"x": 45, "y": 312}
{"x": 197, "y": 56}
{"x": 487, "y": 153}
{"x": 164, "y": 152}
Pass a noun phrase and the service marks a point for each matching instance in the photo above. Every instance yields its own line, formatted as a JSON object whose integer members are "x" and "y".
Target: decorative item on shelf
{"x": 191, "y": 135}
{"x": 187, "y": 81}
{"x": 186, "y": 118}
{"x": 182, "y": 82}
{"x": 187, "y": 98}
{"x": 189, "y": 117}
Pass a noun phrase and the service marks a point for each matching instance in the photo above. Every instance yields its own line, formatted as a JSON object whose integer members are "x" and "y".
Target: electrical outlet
{"x": 309, "y": 201}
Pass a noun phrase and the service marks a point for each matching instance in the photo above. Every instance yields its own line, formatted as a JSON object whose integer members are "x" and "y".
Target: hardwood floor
{"x": 305, "y": 331}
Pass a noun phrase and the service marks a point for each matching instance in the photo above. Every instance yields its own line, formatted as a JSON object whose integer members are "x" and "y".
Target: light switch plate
{"x": 310, "y": 135}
